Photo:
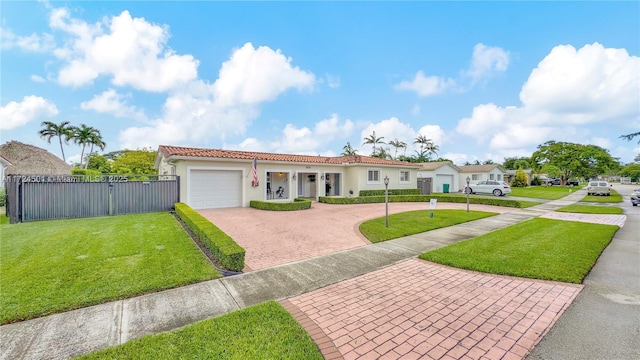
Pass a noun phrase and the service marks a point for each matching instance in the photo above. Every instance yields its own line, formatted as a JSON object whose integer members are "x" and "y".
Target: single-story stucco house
{"x": 215, "y": 178}
{"x": 481, "y": 172}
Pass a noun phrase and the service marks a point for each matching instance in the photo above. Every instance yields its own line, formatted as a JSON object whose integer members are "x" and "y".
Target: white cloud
{"x": 304, "y": 140}
{"x": 110, "y": 102}
{"x": 131, "y": 51}
{"x": 17, "y": 114}
{"x": 252, "y": 76}
{"x": 426, "y": 85}
{"x": 569, "y": 88}
{"x": 487, "y": 60}
{"x": 37, "y": 78}
{"x": 32, "y": 43}
{"x": 200, "y": 111}
{"x": 433, "y": 132}
{"x": 333, "y": 81}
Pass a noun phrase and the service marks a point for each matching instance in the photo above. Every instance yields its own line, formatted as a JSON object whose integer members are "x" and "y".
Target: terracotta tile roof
{"x": 168, "y": 151}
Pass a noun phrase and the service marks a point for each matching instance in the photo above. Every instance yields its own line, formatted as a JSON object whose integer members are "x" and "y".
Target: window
{"x": 373, "y": 176}
{"x": 405, "y": 176}
{"x": 491, "y": 176}
{"x": 476, "y": 177}
{"x": 499, "y": 177}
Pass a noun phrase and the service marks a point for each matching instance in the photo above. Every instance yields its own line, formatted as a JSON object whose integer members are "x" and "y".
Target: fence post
{"x": 110, "y": 199}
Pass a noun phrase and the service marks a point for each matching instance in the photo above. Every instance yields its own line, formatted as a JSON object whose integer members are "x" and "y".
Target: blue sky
{"x": 483, "y": 80}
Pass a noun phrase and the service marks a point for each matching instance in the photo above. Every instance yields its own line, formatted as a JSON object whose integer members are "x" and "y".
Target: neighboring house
{"x": 214, "y": 178}
{"x": 511, "y": 174}
{"x": 4, "y": 162}
{"x": 481, "y": 172}
{"x": 439, "y": 176}
{"x": 31, "y": 160}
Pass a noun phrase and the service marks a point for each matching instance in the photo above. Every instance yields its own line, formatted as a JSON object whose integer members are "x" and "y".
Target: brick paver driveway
{"x": 417, "y": 309}
{"x": 273, "y": 238}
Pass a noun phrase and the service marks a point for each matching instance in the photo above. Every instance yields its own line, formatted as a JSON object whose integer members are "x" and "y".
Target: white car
{"x": 497, "y": 188}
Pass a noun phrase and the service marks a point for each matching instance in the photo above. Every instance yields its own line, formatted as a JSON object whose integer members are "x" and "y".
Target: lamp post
{"x": 467, "y": 190}
{"x": 386, "y": 200}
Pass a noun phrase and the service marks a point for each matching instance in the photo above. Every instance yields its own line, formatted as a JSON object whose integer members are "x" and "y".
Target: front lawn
{"x": 414, "y": 222}
{"x": 587, "y": 209}
{"x": 613, "y": 198}
{"x": 265, "y": 331}
{"x": 58, "y": 265}
{"x": 538, "y": 248}
{"x": 554, "y": 192}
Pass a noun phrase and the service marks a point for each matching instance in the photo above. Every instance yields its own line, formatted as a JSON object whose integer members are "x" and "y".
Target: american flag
{"x": 255, "y": 172}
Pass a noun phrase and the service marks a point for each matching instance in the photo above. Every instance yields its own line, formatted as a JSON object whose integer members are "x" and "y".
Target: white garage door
{"x": 215, "y": 189}
{"x": 444, "y": 179}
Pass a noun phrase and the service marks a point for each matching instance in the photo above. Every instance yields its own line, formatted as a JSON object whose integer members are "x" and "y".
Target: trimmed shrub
{"x": 226, "y": 251}
{"x": 425, "y": 198}
{"x": 391, "y": 192}
{"x": 536, "y": 181}
{"x": 297, "y": 204}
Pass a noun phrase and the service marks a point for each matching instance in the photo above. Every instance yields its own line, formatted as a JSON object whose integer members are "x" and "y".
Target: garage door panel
{"x": 215, "y": 189}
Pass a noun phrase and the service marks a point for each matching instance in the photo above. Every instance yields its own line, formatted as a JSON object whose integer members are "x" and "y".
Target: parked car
{"x": 497, "y": 188}
{"x": 635, "y": 197}
{"x": 599, "y": 188}
{"x": 550, "y": 182}
{"x": 573, "y": 182}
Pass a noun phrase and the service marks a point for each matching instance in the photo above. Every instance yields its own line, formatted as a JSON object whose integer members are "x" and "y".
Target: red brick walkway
{"x": 418, "y": 309}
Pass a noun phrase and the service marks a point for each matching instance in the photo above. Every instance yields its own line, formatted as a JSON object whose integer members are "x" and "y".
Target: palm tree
{"x": 397, "y": 144}
{"x": 347, "y": 150}
{"x": 85, "y": 135}
{"x": 57, "y": 130}
{"x": 427, "y": 147}
{"x": 373, "y": 140}
{"x": 96, "y": 140}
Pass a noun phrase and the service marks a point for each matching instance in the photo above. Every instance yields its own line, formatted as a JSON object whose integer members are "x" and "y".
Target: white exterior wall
{"x": 352, "y": 177}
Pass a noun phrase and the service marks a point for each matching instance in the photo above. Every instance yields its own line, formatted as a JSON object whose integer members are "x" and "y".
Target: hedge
{"x": 297, "y": 204}
{"x": 426, "y": 198}
{"x": 391, "y": 192}
{"x": 226, "y": 251}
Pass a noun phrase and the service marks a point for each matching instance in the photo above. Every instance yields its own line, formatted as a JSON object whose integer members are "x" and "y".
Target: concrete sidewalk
{"x": 78, "y": 332}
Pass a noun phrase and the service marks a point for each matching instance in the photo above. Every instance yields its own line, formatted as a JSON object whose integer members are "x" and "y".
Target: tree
{"x": 520, "y": 179}
{"x": 83, "y": 136}
{"x": 397, "y": 144}
{"x": 51, "y": 129}
{"x": 135, "y": 162}
{"x": 630, "y": 137}
{"x": 632, "y": 171}
{"x": 488, "y": 162}
{"x": 382, "y": 154}
{"x": 373, "y": 140}
{"x": 575, "y": 160}
{"x": 427, "y": 147}
{"x": 514, "y": 163}
{"x": 347, "y": 150}
{"x": 98, "y": 162}
{"x": 96, "y": 140}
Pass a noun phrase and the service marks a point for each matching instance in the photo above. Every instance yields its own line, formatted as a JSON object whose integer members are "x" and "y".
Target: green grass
{"x": 613, "y": 198}
{"x": 59, "y": 265}
{"x": 414, "y": 222}
{"x": 543, "y": 192}
{"x": 586, "y": 209}
{"x": 538, "y": 248}
{"x": 265, "y": 331}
